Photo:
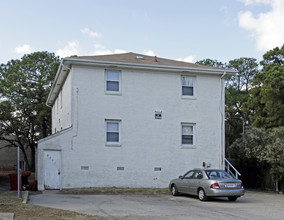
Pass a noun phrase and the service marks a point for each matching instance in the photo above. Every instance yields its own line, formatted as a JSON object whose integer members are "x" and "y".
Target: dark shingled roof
{"x": 135, "y": 58}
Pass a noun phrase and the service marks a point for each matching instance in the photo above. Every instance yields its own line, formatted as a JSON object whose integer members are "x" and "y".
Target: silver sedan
{"x": 206, "y": 183}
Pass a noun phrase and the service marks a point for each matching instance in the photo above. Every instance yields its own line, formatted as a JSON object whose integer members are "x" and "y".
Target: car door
{"x": 186, "y": 182}
{"x": 195, "y": 182}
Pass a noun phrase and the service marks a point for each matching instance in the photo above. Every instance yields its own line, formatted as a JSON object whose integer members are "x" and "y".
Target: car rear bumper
{"x": 225, "y": 192}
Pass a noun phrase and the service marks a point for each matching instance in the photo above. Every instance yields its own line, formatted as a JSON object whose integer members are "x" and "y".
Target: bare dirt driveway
{"x": 254, "y": 205}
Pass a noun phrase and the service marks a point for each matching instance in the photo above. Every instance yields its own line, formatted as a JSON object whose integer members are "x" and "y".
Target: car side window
{"x": 189, "y": 175}
{"x": 198, "y": 175}
{"x": 212, "y": 174}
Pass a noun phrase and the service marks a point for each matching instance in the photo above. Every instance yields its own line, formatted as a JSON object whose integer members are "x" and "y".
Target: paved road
{"x": 254, "y": 205}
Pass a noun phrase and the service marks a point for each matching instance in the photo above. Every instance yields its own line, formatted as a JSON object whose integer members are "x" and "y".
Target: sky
{"x": 186, "y": 30}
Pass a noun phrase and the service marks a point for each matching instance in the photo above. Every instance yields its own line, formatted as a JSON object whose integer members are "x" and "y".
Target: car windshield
{"x": 216, "y": 174}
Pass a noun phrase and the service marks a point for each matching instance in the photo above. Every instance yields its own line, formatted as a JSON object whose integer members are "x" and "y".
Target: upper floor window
{"x": 187, "y": 83}
{"x": 112, "y": 80}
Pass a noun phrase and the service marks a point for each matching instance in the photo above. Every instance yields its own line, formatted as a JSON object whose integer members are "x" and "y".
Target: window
{"x": 112, "y": 131}
{"x": 112, "y": 80}
{"x": 187, "y": 83}
{"x": 198, "y": 175}
{"x": 187, "y": 134}
{"x": 189, "y": 175}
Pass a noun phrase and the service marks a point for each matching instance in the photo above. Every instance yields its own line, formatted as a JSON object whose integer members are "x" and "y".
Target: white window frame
{"x": 119, "y": 82}
{"x": 193, "y": 80}
{"x": 113, "y": 143}
{"x": 193, "y": 125}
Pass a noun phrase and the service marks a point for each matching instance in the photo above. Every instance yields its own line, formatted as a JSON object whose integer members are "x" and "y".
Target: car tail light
{"x": 242, "y": 185}
{"x": 215, "y": 186}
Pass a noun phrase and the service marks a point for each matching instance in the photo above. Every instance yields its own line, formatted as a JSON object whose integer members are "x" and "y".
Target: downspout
{"x": 222, "y": 113}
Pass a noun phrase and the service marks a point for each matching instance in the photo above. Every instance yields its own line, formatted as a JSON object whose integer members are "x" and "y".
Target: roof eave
{"x": 149, "y": 66}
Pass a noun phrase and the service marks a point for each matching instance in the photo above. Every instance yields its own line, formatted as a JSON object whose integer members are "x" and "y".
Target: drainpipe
{"x": 222, "y": 112}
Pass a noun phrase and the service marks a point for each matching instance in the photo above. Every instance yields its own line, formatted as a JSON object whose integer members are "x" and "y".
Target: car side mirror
{"x": 180, "y": 177}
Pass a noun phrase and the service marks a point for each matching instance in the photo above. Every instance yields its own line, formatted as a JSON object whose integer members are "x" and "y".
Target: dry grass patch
{"x": 10, "y": 203}
{"x": 116, "y": 191}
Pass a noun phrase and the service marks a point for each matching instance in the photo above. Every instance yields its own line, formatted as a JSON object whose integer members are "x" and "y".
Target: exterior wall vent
{"x": 158, "y": 114}
{"x": 84, "y": 167}
{"x": 120, "y": 168}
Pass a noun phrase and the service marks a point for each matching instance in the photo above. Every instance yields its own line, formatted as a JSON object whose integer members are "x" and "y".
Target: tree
{"x": 210, "y": 62}
{"x": 237, "y": 94}
{"x": 24, "y": 88}
{"x": 267, "y": 99}
{"x": 265, "y": 146}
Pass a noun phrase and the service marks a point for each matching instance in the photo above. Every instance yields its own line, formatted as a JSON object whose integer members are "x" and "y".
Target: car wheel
{"x": 232, "y": 198}
{"x": 201, "y": 195}
{"x": 174, "y": 190}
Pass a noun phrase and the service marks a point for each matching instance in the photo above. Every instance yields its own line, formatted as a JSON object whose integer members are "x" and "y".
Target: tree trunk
{"x": 26, "y": 158}
{"x": 276, "y": 186}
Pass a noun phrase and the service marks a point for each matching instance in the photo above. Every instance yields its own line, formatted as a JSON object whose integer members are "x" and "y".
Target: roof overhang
{"x": 67, "y": 63}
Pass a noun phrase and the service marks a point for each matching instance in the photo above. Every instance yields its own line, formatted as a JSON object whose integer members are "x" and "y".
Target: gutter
{"x": 147, "y": 66}
{"x": 57, "y": 82}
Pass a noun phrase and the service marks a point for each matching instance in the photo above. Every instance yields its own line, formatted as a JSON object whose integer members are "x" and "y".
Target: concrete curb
{"x": 26, "y": 197}
{"x": 7, "y": 216}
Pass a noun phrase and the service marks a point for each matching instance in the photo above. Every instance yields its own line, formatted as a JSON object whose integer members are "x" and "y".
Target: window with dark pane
{"x": 112, "y": 80}
{"x": 187, "y": 134}
{"x": 112, "y": 133}
{"x": 187, "y": 83}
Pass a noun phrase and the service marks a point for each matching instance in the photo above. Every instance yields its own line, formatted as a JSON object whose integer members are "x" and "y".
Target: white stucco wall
{"x": 146, "y": 143}
{"x": 61, "y": 110}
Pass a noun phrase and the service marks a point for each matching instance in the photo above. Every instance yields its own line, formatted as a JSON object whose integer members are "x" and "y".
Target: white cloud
{"x": 253, "y": 2}
{"x": 267, "y": 28}
{"x": 102, "y": 50}
{"x": 105, "y": 51}
{"x": 69, "y": 50}
{"x": 189, "y": 59}
{"x": 91, "y": 34}
{"x": 23, "y": 49}
{"x": 149, "y": 52}
{"x": 120, "y": 51}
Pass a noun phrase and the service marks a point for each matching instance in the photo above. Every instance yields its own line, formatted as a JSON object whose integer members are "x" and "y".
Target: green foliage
{"x": 210, "y": 62}
{"x": 24, "y": 88}
{"x": 267, "y": 94}
{"x": 236, "y": 97}
{"x": 236, "y": 94}
{"x": 264, "y": 146}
